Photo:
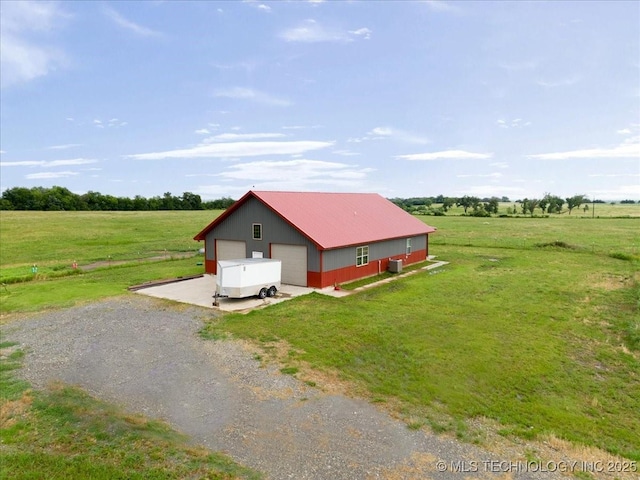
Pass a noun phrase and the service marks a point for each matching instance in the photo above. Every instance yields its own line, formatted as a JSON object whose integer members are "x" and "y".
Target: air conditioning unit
{"x": 395, "y": 266}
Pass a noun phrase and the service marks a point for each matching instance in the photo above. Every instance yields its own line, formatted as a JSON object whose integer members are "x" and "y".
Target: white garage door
{"x": 294, "y": 263}
{"x": 230, "y": 249}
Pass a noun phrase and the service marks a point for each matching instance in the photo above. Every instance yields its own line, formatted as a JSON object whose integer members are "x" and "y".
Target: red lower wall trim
{"x": 210, "y": 266}
{"x": 349, "y": 274}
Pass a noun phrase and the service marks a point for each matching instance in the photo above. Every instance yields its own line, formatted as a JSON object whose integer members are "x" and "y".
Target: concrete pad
{"x": 199, "y": 291}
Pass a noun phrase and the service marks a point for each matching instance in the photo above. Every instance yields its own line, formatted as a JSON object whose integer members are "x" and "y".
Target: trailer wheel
{"x": 263, "y": 293}
{"x": 272, "y": 291}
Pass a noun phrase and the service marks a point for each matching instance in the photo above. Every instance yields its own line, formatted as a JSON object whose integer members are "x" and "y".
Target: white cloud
{"x": 624, "y": 131}
{"x": 64, "y": 147}
{"x": 257, "y": 5}
{"x": 49, "y": 175}
{"x": 226, "y": 137}
{"x": 491, "y": 191}
{"x": 562, "y": 82}
{"x": 297, "y": 174}
{"x": 442, "y": 6}
{"x": 381, "y": 131}
{"x": 284, "y": 169}
{"x": 202, "y": 131}
{"x": 251, "y": 95}
{"x": 121, "y": 21}
{"x": 614, "y": 175}
{"x": 495, "y": 175}
{"x": 235, "y": 149}
{"x": 514, "y": 123}
{"x": 364, "y": 32}
{"x": 499, "y": 165}
{"x": 300, "y": 127}
{"x": 389, "y": 133}
{"x": 630, "y": 149}
{"x": 446, "y": 155}
{"x": 50, "y": 163}
{"x": 622, "y": 192}
{"x": 25, "y": 54}
{"x": 346, "y": 153}
{"x": 310, "y": 31}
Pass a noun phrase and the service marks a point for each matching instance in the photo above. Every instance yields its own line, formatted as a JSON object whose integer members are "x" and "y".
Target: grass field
{"x": 534, "y": 323}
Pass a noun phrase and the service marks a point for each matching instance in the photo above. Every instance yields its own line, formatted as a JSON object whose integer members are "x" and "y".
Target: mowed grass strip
{"x": 62, "y": 433}
{"x": 541, "y": 341}
{"x": 90, "y": 286}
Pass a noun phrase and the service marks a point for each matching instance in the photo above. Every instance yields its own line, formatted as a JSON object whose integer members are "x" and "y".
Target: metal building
{"x": 322, "y": 239}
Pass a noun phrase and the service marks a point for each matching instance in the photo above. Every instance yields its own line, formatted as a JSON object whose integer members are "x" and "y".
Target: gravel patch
{"x": 146, "y": 357}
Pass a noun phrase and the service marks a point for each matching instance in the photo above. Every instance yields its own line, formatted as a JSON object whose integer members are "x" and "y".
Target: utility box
{"x": 395, "y": 266}
{"x": 247, "y": 277}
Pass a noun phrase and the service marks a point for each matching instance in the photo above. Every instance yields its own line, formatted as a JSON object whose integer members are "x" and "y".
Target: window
{"x": 408, "y": 246}
{"x": 362, "y": 256}
{"x": 257, "y": 231}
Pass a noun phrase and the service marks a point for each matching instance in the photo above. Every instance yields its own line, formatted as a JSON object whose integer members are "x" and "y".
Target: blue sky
{"x": 400, "y": 98}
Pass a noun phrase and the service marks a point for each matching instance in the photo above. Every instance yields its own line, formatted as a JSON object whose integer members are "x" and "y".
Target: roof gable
{"x": 332, "y": 220}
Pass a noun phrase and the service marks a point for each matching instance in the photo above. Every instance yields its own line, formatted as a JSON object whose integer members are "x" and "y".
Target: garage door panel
{"x": 230, "y": 249}
{"x": 294, "y": 263}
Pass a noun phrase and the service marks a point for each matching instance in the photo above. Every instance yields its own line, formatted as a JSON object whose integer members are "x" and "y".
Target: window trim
{"x": 253, "y": 231}
{"x": 408, "y": 249}
{"x": 362, "y": 254}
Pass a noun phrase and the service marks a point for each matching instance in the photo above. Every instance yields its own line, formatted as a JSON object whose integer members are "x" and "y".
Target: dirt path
{"x": 147, "y": 357}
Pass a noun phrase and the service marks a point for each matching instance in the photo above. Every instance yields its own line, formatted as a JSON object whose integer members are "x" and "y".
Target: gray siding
{"x": 346, "y": 257}
{"x": 238, "y": 226}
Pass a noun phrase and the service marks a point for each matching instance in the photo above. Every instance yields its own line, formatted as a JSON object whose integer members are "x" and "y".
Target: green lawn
{"x": 59, "y": 238}
{"x": 601, "y": 235}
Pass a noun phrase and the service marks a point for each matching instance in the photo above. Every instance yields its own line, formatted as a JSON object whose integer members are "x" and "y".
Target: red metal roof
{"x": 332, "y": 220}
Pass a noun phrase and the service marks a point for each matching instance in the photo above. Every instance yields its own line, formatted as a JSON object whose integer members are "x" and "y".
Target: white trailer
{"x": 247, "y": 277}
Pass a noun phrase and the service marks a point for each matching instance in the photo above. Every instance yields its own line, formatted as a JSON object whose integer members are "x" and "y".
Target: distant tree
{"x": 492, "y": 205}
{"x": 544, "y": 202}
{"x": 467, "y": 202}
{"x": 167, "y": 202}
{"x": 575, "y": 201}
{"x": 505, "y": 200}
{"x": 628, "y": 201}
{"x": 20, "y": 198}
{"x": 555, "y": 204}
{"x": 529, "y": 205}
{"x": 447, "y": 203}
{"x": 140, "y": 203}
{"x": 191, "y": 201}
{"x": 125, "y": 204}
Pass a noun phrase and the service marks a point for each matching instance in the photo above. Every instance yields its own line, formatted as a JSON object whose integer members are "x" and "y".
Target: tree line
{"x": 60, "y": 198}
{"x": 485, "y": 207}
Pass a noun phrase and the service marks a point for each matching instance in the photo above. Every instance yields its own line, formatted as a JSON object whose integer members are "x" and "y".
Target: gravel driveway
{"x": 147, "y": 357}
